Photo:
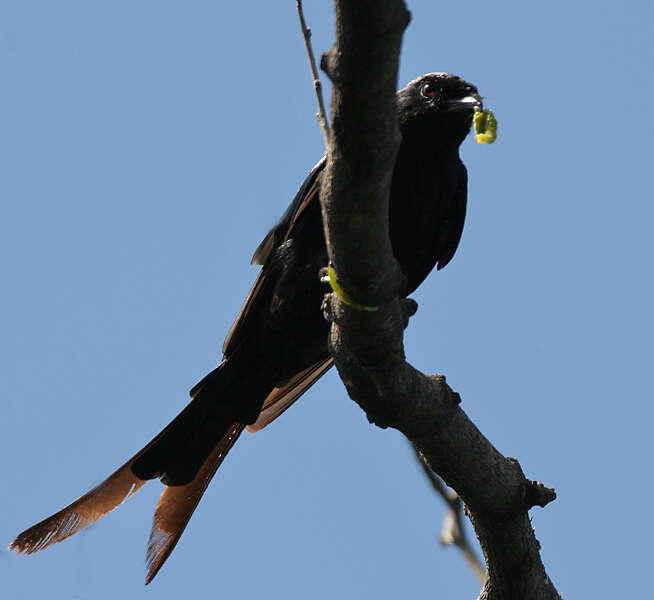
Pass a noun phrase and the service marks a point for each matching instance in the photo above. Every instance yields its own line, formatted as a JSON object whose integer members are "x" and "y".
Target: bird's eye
{"x": 429, "y": 90}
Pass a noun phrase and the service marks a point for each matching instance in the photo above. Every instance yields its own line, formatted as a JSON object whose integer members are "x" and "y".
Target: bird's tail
{"x": 185, "y": 456}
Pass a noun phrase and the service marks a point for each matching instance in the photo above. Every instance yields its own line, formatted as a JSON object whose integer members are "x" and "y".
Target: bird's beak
{"x": 468, "y": 103}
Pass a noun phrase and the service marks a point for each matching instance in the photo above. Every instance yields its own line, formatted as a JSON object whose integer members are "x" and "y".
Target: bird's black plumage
{"x": 277, "y": 347}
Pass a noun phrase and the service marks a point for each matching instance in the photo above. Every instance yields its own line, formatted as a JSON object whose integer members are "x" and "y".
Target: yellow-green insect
{"x": 485, "y": 125}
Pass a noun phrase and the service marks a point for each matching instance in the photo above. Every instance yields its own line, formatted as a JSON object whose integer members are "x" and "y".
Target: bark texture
{"x": 367, "y": 346}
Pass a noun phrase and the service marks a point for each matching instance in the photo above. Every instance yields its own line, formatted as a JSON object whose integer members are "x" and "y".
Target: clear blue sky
{"x": 145, "y": 149}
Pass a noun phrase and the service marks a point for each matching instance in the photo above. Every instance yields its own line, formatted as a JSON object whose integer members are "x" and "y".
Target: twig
{"x": 317, "y": 85}
{"x": 453, "y": 533}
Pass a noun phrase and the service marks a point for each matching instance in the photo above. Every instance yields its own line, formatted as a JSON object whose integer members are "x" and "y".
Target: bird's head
{"x": 438, "y": 104}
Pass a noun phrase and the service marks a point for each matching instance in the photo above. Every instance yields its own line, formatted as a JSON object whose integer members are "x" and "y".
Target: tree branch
{"x": 453, "y": 533}
{"x": 321, "y": 115}
{"x": 367, "y": 346}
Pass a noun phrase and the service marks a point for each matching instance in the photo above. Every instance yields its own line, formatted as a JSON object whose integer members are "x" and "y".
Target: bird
{"x": 277, "y": 346}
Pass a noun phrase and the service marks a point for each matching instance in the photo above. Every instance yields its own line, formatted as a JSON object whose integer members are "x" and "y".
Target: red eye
{"x": 429, "y": 90}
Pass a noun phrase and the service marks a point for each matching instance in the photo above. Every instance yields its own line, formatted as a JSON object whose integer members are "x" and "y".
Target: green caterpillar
{"x": 485, "y": 125}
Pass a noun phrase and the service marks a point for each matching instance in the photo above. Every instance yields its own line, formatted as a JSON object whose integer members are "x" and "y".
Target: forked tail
{"x": 185, "y": 456}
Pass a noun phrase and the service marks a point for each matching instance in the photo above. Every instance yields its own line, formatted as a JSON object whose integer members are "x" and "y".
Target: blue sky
{"x": 147, "y": 147}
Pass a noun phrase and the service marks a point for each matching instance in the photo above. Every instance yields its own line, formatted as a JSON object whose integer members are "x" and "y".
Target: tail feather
{"x": 234, "y": 391}
{"x": 177, "y": 504}
{"x": 185, "y": 456}
{"x": 182, "y": 435}
{"x": 85, "y": 511}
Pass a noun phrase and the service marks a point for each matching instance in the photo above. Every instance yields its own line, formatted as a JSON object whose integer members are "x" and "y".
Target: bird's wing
{"x": 233, "y": 335}
{"x": 280, "y": 231}
{"x": 282, "y": 397}
{"x": 307, "y": 194}
{"x": 451, "y": 226}
{"x": 177, "y": 503}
